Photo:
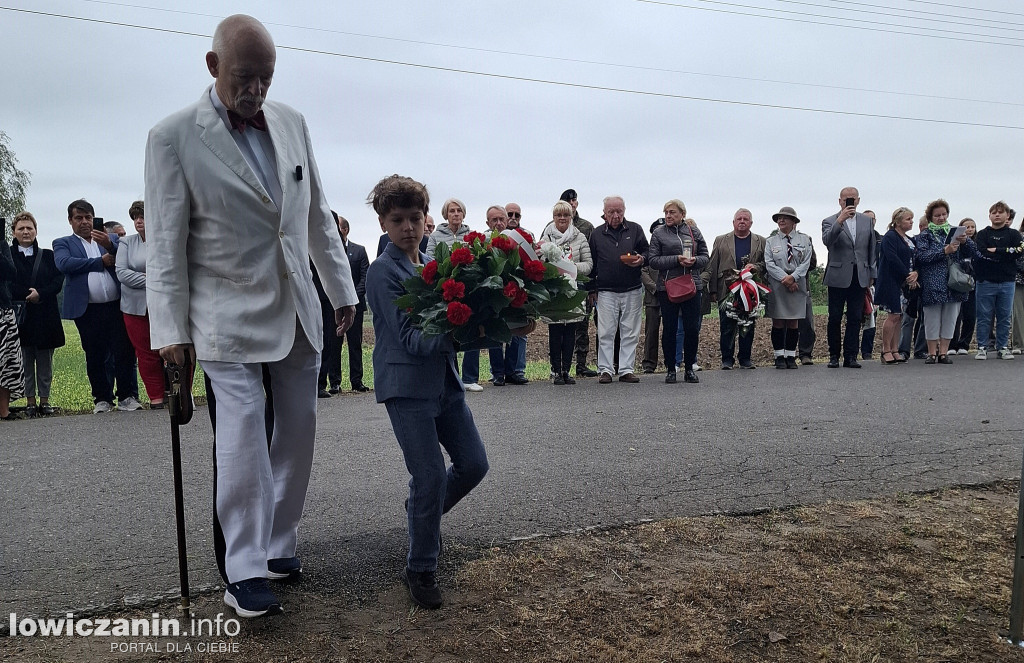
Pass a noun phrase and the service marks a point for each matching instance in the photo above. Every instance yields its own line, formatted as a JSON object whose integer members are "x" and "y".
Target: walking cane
{"x": 179, "y": 404}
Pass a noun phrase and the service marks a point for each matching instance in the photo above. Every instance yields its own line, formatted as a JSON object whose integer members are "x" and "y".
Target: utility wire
{"x": 925, "y": 11}
{"x": 852, "y": 25}
{"x": 580, "y": 86}
{"x": 968, "y": 7}
{"x": 843, "y": 88}
{"x": 948, "y": 20}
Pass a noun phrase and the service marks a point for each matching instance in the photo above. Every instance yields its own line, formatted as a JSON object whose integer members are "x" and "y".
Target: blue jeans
{"x": 422, "y": 427}
{"x": 470, "y": 368}
{"x": 994, "y": 298}
{"x": 521, "y": 359}
{"x": 505, "y": 360}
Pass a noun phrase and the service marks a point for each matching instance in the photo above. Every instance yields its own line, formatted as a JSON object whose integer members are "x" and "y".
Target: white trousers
{"x": 260, "y": 492}
{"x": 618, "y": 311}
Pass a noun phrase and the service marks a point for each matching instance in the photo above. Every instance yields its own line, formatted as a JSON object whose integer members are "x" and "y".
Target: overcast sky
{"x": 79, "y": 98}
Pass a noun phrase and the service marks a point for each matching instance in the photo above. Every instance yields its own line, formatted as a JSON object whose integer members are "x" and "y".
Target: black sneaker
{"x": 423, "y": 589}
{"x": 252, "y": 598}
{"x": 780, "y": 362}
{"x": 360, "y": 387}
{"x": 670, "y": 378}
{"x": 690, "y": 376}
{"x": 791, "y": 362}
{"x": 323, "y": 393}
{"x": 517, "y": 379}
{"x": 284, "y": 568}
{"x": 559, "y": 379}
{"x": 585, "y": 371}
{"x": 568, "y": 378}
{"x": 336, "y": 389}
{"x": 499, "y": 381}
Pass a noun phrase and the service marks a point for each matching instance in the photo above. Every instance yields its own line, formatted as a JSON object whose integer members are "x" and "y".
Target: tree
{"x": 13, "y": 183}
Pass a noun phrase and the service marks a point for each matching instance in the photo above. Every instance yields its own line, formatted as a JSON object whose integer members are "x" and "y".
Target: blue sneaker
{"x": 252, "y": 598}
{"x": 284, "y": 568}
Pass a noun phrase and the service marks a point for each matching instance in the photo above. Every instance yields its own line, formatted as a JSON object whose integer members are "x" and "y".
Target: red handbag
{"x": 681, "y": 288}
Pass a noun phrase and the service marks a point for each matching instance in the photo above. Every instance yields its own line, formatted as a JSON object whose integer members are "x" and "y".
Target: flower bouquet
{"x": 744, "y": 304}
{"x": 484, "y": 286}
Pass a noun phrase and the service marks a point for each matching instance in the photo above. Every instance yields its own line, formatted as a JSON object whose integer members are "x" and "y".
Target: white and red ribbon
{"x": 749, "y": 290}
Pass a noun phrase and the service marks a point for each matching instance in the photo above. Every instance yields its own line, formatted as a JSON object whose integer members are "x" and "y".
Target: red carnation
{"x": 462, "y": 256}
{"x": 452, "y": 289}
{"x": 473, "y": 236}
{"x": 534, "y": 270}
{"x": 429, "y": 272}
{"x": 458, "y": 313}
{"x": 510, "y": 289}
{"x": 520, "y": 299}
{"x": 502, "y": 242}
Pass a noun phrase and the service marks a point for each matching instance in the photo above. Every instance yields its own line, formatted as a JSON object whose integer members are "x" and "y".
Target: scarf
{"x": 552, "y": 234}
{"x": 944, "y": 229}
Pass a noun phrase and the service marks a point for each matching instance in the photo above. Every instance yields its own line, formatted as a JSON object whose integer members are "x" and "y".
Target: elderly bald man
{"x": 235, "y": 211}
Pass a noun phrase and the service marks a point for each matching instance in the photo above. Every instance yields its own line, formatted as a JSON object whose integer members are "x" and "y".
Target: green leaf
{"x": 497, "y": 329}
{"x": 442, "y": 252}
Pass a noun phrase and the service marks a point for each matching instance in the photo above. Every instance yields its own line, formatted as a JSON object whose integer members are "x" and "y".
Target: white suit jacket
{"x": 226, "y": 269}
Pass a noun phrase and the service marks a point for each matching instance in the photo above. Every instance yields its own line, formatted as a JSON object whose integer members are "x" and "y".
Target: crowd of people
{"x": 102, "y": 272}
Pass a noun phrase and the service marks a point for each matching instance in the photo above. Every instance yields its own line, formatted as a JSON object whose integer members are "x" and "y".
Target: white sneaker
{"x": 129, "y": 404}
{"x": 1016, "y": 351}
{"x": 101, "y": 407}
{"x": 474, "y": 387}
{"x": 982, "y": 354}
{"x": 697, "y": 367}
{"x": 962, "y": 351}
{"x": 1005, "y": 354}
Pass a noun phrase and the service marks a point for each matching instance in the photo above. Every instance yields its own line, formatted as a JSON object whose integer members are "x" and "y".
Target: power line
{"x": 524, "y": 79}
{"x": 948, "y": 20}
{"x": 843, "y": 88}
{"x": 924, "y": 11}
{"x": 852, "y": 25}
{"x": 952, "y": 6}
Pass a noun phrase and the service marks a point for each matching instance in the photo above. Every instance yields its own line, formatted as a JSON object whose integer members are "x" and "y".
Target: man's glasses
{"x": 515, "y": 215}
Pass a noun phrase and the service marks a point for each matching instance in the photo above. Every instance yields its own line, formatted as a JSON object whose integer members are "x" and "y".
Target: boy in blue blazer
{"x": 416, "y": 379}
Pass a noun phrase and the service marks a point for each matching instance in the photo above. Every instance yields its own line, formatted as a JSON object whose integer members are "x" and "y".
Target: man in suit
{"x": 92, "y": 298}
{"x": 235, "y": 214}
{"x": 359, "y": 262}
{"x": 733, "y": 251}
{"x": 849, "y": 238}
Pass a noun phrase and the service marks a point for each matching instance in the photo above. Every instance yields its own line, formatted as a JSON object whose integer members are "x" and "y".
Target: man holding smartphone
{"x": 850, "y": 240}
{"x": 92, "y": 298}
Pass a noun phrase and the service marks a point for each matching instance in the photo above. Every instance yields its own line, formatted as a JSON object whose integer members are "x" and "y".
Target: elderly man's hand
{"x": 177, "y": 354}
{"x": 344, "y": 317}
{"x": 637, "y": 261}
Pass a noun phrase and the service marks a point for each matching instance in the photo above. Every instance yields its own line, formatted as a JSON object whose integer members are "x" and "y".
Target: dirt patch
{"x": 914, "y": 578}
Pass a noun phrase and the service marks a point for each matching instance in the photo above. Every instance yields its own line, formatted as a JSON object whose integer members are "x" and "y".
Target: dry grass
{"x": 907, "y": 578}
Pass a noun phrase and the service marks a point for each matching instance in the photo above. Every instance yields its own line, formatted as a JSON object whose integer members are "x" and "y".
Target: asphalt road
{"x": 87, "y": 502}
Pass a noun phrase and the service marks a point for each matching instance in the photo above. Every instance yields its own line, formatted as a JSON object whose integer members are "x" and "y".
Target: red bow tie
{"x": 257, "y": 121}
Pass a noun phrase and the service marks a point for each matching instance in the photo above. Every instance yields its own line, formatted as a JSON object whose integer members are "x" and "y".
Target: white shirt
{"x": 256, "y": 147}
{"x": 27, "y": 250}
{"x": 102, "y": 288}
{"x": 851, "y": 223}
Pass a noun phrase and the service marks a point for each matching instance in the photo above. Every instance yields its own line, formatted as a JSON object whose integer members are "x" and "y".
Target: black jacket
{"x": 359, "y": 262}
{"x": 610, "y": 274}
{"x": 42, "y": 327}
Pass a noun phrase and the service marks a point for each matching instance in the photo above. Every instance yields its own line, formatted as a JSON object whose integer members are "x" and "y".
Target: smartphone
{"x": 97, "y": 223}
{"x": 850, "y": 202}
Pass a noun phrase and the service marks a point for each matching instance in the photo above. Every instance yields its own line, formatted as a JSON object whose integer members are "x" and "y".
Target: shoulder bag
{"x": 682, "y": 288}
